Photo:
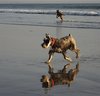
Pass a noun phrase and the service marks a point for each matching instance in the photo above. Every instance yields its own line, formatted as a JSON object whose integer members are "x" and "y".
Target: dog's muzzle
{"x": 43, "y": 78}
{"x": 45, "y": 85}
{"x": 43, "y": 45}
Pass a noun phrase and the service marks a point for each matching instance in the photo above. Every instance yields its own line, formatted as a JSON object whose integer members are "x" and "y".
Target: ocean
{"x": 75, "y": 15}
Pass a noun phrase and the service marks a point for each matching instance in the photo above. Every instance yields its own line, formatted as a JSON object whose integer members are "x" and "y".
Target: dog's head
{"x": 46, "y": 41}
{"x": 45, "y": 81}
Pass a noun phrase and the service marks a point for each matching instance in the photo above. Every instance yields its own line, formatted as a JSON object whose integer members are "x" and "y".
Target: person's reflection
{"x": 63, "y": 76}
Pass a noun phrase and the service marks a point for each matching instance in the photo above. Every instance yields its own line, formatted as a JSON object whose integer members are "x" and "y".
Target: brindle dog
{"x": 60, "y": 46}
{"x": 61, "y": 77}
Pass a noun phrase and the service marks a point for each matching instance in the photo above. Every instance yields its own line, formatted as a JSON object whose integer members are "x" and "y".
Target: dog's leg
{"x": 66, "y": 57}
{"x": 75, "y": 49}
{"x": 64, "y": 70}
{"x": 70, "y": 74}
{"x": 51, "y": 53}
{"x": 61, "y": 17}
{"x": 50, "y": 58}
{"x": 50, "y": 69}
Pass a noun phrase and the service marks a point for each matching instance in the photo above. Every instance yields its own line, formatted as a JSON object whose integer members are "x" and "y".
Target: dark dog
{"x": 59, "y": 78}
{"x": 60, "y": 15}
{"x": 60, "y": 46}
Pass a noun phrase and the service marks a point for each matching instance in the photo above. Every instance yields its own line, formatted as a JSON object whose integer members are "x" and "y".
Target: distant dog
{"x": 59, "y": 78}
{"x": 60, "y": 46}
{"x": 59, "y": 14}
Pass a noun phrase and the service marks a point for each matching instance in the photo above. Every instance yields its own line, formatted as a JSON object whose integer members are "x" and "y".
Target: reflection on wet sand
{"x": 63, "y": 76}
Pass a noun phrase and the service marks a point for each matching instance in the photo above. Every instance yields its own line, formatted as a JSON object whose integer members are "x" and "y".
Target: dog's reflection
{"x": 64, "y": 76}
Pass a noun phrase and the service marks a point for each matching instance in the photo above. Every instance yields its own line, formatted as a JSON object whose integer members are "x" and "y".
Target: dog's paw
{"x": 69, "y": 59}
{"x": 47, "y": 62}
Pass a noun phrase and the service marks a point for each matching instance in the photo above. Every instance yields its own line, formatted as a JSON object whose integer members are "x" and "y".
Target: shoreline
{"x": 49, "y": 25}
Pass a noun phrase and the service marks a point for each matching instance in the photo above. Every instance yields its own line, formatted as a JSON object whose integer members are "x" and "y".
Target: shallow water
{"x": 46, "y": 20}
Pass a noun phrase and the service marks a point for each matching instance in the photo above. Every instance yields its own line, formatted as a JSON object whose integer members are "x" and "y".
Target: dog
{"x": 61, "y": 77}
{"x": 59, "y": 14}
{"x": 60, "y": 46}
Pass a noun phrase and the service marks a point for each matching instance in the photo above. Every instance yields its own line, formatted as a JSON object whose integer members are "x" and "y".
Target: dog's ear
{"x": 47, "y": 36}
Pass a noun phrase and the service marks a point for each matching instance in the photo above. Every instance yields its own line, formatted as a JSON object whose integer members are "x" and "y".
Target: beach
{"x": 22, "y": 57}
{"x": 22, "y": 30}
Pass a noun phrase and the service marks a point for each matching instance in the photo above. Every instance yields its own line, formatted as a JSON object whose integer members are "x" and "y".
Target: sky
{"x": 49, "y": 1}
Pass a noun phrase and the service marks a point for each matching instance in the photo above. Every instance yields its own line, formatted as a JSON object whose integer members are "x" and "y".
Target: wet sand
{"x": 21, "y": 57}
